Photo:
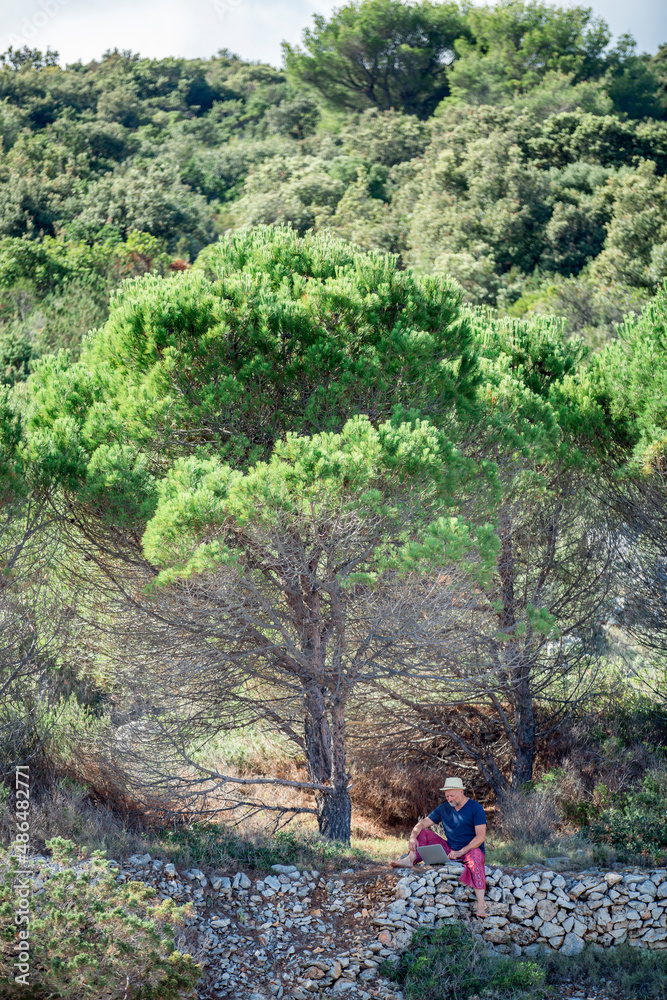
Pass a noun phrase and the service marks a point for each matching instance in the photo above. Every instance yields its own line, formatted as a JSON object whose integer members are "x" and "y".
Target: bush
{"x": 393, "y": 792}
{"x": 16, "y": 353}
{"x": 450, "y": 964}
{"x": 636, "y": 973}
{"x": 529, "y": 817}
{"x": 90, "y": 936}
{"x": 636, "y": 822}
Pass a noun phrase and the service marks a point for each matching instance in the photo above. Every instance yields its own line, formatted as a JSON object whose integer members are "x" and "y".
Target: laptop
{"x": 433, "y": 854}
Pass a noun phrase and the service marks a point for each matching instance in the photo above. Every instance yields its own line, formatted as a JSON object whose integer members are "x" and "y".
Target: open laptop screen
{"x": 433, "y": 854}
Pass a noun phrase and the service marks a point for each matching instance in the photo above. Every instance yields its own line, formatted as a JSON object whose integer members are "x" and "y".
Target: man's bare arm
{"x": 423, "y": 824}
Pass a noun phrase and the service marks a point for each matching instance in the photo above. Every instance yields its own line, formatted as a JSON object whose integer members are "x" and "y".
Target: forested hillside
{"x": 511, "y": 148}
{"x": 333, "y": 427}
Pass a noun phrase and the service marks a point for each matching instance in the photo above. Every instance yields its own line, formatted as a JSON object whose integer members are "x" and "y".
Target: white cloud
{"x": 80, "y": 29}
{"x": 84, "y": 29}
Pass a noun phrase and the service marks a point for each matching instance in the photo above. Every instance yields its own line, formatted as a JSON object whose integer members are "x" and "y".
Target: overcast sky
{"x": 84, "y": 29}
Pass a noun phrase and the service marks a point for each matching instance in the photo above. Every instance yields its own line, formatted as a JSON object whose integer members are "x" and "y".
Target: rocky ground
{"x": 301, "y": 934}
{"x": 291, "y": 933}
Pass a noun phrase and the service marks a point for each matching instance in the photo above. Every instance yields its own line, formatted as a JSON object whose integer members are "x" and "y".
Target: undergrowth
{"x": 634, "y": 973}
{"x": 634, "y": 823}
{"x": 67, "y": 811}
{"x": 450, "y": 964}
{"x": 217, "y": 847}
{"x": 89, "y": 937}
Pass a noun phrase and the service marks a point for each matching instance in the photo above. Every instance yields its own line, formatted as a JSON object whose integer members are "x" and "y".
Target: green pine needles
{"x": 90, "y": 936}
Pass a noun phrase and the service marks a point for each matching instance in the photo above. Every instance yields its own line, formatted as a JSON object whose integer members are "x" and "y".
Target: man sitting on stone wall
{"x": 464, "y": 823}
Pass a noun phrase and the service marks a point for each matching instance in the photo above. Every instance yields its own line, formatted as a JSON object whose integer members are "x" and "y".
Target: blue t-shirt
{"x": 459, "y": 826}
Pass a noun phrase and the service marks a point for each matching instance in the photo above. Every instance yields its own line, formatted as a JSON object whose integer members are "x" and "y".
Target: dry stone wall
{"x": 529, "y": 909}
{"x": 299, "y": 933}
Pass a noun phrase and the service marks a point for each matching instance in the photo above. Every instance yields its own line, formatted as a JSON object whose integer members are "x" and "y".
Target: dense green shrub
{"x": 636, "y": 822}
{"x": 450, "y": 964}
{"x": 53, "y": 291}
{"x": 633, "y": 973}
{"x": 16, "y": 353}
{"x": 47, "y": 265}
{"x": 89, "y": 934}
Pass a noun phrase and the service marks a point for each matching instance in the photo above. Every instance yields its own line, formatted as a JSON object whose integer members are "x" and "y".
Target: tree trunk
{"x": 518, "y": 668}
{"x": 336, "y": 825}
{"x": 524, "y": 721}
{"x": 325, "y": 760}
{"x": 317, "y": 735}
{"x": 334, "y": 815}
{"x": 522, "y": 771}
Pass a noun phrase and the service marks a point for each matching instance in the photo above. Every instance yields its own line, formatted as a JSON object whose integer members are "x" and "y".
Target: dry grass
{"x": 395, "y": 796}
{"x": 529, "y": 818}
{"x": 387, "y": 799}
{"x": 68, "y": 810}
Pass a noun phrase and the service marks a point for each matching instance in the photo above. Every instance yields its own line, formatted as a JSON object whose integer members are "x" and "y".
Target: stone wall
{"x": 301, "y": 933}
{"x": 532, "y": 908}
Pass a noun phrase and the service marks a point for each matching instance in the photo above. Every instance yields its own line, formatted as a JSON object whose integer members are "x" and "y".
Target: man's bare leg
{"x": 481, "y": 903}
{"x": 407, "y": 861}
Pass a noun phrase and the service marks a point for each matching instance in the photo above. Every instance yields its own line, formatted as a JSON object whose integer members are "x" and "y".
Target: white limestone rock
{"x": 139, "y": 860}
{"x": 547, "y": 909}
{"x": 522, "y": 935}
{"x": 572, "y": 944}
{"x": 220, "y": 883}
{"x": 579, "y": 928}
{"x": 550, "y": 930}
{"x": 497, "y": 935}
{"x": 613, "y": 878}
{"x": 403, "y": 888}
{"x": 402, "y": 939}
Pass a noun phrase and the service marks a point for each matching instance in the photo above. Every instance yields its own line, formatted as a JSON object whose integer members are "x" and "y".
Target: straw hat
{"x": 452, "y": 785}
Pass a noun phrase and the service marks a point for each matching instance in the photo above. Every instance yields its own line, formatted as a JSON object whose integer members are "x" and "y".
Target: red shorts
{"x": 474, "y": 873}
